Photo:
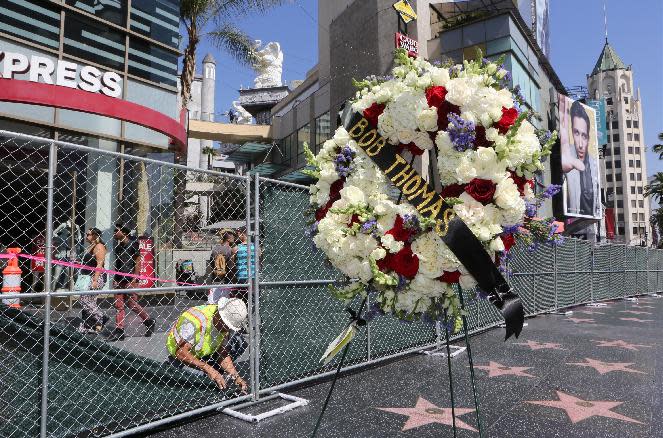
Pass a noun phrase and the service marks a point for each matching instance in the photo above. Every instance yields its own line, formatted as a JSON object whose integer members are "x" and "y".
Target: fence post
{"x": 555, "y": 276}
{"x": 250, "y": 298}
{"x": 52, "y": 168}
{"x": 256, "y": 284}
{"x": 591, "y": 274}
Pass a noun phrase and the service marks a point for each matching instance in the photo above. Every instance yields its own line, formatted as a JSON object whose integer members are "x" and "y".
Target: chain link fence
{"x": 66, "y": 371}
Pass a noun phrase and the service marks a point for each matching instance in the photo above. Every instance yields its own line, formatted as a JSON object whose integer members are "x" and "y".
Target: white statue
{"x": 242, "y": 116}
{"x": 269, "y": 65}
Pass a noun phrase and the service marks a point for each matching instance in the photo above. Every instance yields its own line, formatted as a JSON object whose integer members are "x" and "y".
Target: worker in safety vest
{"x": 197, "y": 339}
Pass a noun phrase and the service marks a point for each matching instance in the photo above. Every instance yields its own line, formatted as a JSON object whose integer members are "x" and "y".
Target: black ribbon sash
{"x": 453, "y": 231}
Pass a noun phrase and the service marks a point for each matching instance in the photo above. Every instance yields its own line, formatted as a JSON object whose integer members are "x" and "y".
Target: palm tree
{"x": 211, "y": 18}
{"x": 655, "y": 188}
{"x": 658, "y": 148}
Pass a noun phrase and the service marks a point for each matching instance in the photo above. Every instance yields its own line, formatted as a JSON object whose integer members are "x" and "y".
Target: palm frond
{"x": 234, "y": 41}
{"x": 222, "y": 9}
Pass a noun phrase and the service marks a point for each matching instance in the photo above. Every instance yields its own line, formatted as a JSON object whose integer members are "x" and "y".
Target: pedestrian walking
{"x": 91, "y": 279}
{"x": 127, "y": 260}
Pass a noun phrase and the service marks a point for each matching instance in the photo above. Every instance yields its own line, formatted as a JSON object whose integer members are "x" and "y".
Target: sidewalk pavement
{"x": 594, "y": 373}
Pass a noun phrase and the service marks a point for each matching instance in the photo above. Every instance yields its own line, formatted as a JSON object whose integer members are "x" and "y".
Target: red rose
{"x": 334, "y": 195}
{"x": 414, "y": 150}
{"x": 443, "y": 114}
{"x": 452, "y": 190}
{"x": 405, "y": 263}
{"x": 509, "y": 117}
{"x": 399, "y": 232}
{"x": 384, "y": 264}
{"x": 481, "y": 189}
{"x": 373, "y": 112}
{"x": 450, "y": 277}
{"x": 520, "y": 182}
{"x": 508, "y": 240}
{"x": 435, "y": 96}
{"x": 480, "y": 137}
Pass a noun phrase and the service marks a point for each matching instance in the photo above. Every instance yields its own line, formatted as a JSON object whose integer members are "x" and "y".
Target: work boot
{"x": 150, "y": 324}
{"x": 117, "y": 335}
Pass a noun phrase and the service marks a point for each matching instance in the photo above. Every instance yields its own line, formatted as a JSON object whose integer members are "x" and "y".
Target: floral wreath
{"x": 488, "y": 152}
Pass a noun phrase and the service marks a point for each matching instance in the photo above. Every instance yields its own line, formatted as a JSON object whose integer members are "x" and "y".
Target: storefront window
{"x": 87, "y": 39}
{"x": 322, "y": 130}
{"x": 152, "y": 63}
{"x": 113, "y": 11}
{"x": 35, "y": 21}
{"x": 157, "y": 19}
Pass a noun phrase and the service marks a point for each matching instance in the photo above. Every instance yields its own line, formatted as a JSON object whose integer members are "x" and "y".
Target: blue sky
{"x": 576, "y": 32}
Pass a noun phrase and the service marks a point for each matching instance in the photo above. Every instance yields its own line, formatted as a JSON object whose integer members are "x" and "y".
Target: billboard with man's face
{"x": 580, "y": 159}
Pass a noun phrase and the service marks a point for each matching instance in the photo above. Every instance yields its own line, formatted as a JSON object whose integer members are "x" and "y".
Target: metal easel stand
{"x": 296, "y": 402}
{"x": 439, "y": 350}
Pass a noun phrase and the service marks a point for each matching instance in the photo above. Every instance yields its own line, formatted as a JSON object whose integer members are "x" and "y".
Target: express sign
{"x": 60, "y": 72}
{"x": 407, "y": 43}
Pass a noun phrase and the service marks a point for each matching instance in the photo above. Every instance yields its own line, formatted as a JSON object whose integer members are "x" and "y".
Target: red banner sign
{"x": 39, "y": 250}
{"x": 609, "y": 223}
{"x": 146, "y": 247}
{"x": 407, "y": 43}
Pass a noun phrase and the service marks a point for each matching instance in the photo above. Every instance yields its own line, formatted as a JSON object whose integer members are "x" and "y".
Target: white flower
{"x": 353, "y": 195}
{"x": 378, "y": 254}
{"x": 439, "y": 76}
{"x": 391, "y": 244}
{"x": 427, "y": 120}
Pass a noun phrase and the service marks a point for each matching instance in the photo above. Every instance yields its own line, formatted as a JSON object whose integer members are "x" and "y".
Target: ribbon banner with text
{"x": 451, "y": 229}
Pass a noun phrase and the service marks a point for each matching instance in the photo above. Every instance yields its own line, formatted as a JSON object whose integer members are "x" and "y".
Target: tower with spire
{"x": 625, "y": 160}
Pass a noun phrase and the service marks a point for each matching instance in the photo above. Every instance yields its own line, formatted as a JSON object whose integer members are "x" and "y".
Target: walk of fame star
{"x": 426, "y": 412}
{"x": 578, "y": 409}
{"x": 579, "y": 320}
{"x": 535, "y": 345}
{"x": 620, "y": 344}
{"x": 606, "y": 367}
{"x": 497, "y": 369}
{"x": 636, "y": 319}
{"x": 635, "y": 312}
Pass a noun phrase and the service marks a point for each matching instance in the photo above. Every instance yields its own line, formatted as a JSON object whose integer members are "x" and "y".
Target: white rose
{"x": 378, "y": 254}
{"x": 427, "y": 120}
{"x": 439, "y": 76}
{"x": 353, "y": 195}
{"x": 497, "y": 245}
{"x": 341, "y": 137}
{"x": 391, "y": 244}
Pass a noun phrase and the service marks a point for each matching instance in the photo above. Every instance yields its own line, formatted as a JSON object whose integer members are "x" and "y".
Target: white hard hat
{"x": 233, "y": 313}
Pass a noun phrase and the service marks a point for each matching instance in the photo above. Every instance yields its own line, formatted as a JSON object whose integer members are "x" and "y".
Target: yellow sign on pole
{"x": 405, "y": 10}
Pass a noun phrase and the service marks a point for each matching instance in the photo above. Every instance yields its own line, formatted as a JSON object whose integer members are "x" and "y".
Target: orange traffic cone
{"x": 11, "y": 279}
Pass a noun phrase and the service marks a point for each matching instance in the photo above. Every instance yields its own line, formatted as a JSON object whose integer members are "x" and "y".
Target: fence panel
{"x": 99, "y": 384}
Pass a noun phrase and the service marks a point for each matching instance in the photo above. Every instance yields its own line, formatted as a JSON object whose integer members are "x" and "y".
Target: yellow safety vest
{"x": 202, "y": 318}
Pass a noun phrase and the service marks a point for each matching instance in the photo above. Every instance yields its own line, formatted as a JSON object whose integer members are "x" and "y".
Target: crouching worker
{"x": 199, "y": 337}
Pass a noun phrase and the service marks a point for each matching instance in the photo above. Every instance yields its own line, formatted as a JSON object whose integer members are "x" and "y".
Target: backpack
{"x": 219, "y": 268}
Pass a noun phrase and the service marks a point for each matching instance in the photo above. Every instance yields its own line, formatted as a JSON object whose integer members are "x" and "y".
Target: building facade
{"x": 101, "y": 74}
{"x": 624, "y": 158}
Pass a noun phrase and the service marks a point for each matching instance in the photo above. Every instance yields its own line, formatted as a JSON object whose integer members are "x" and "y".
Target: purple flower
{"x": 343, "y": 161}
{"x": 312, "y": 230}
{"x": 369, "y": 227}
{"x": 512, "y": 229}
{"x": 551, "y": 191}
{"x": 411, "y": 221}
{"x": 530, "y": 209}
{"x": 461, "y": 132}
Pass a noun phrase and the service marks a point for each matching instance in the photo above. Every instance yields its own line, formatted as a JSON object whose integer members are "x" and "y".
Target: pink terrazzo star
{"x": 426, "y": 412}
{"x": 635, "y": 312}
{"x": 606, "y": 367}
{"x": 590, "y": 312}
{"x": 583, "y": 320}
{"x": 636, "y": 319}
{"x": 578, "y": 409}
{"x": 497, "y": 369}
{"x": 535, "y": 345}
{"x": 621, "y": 344}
